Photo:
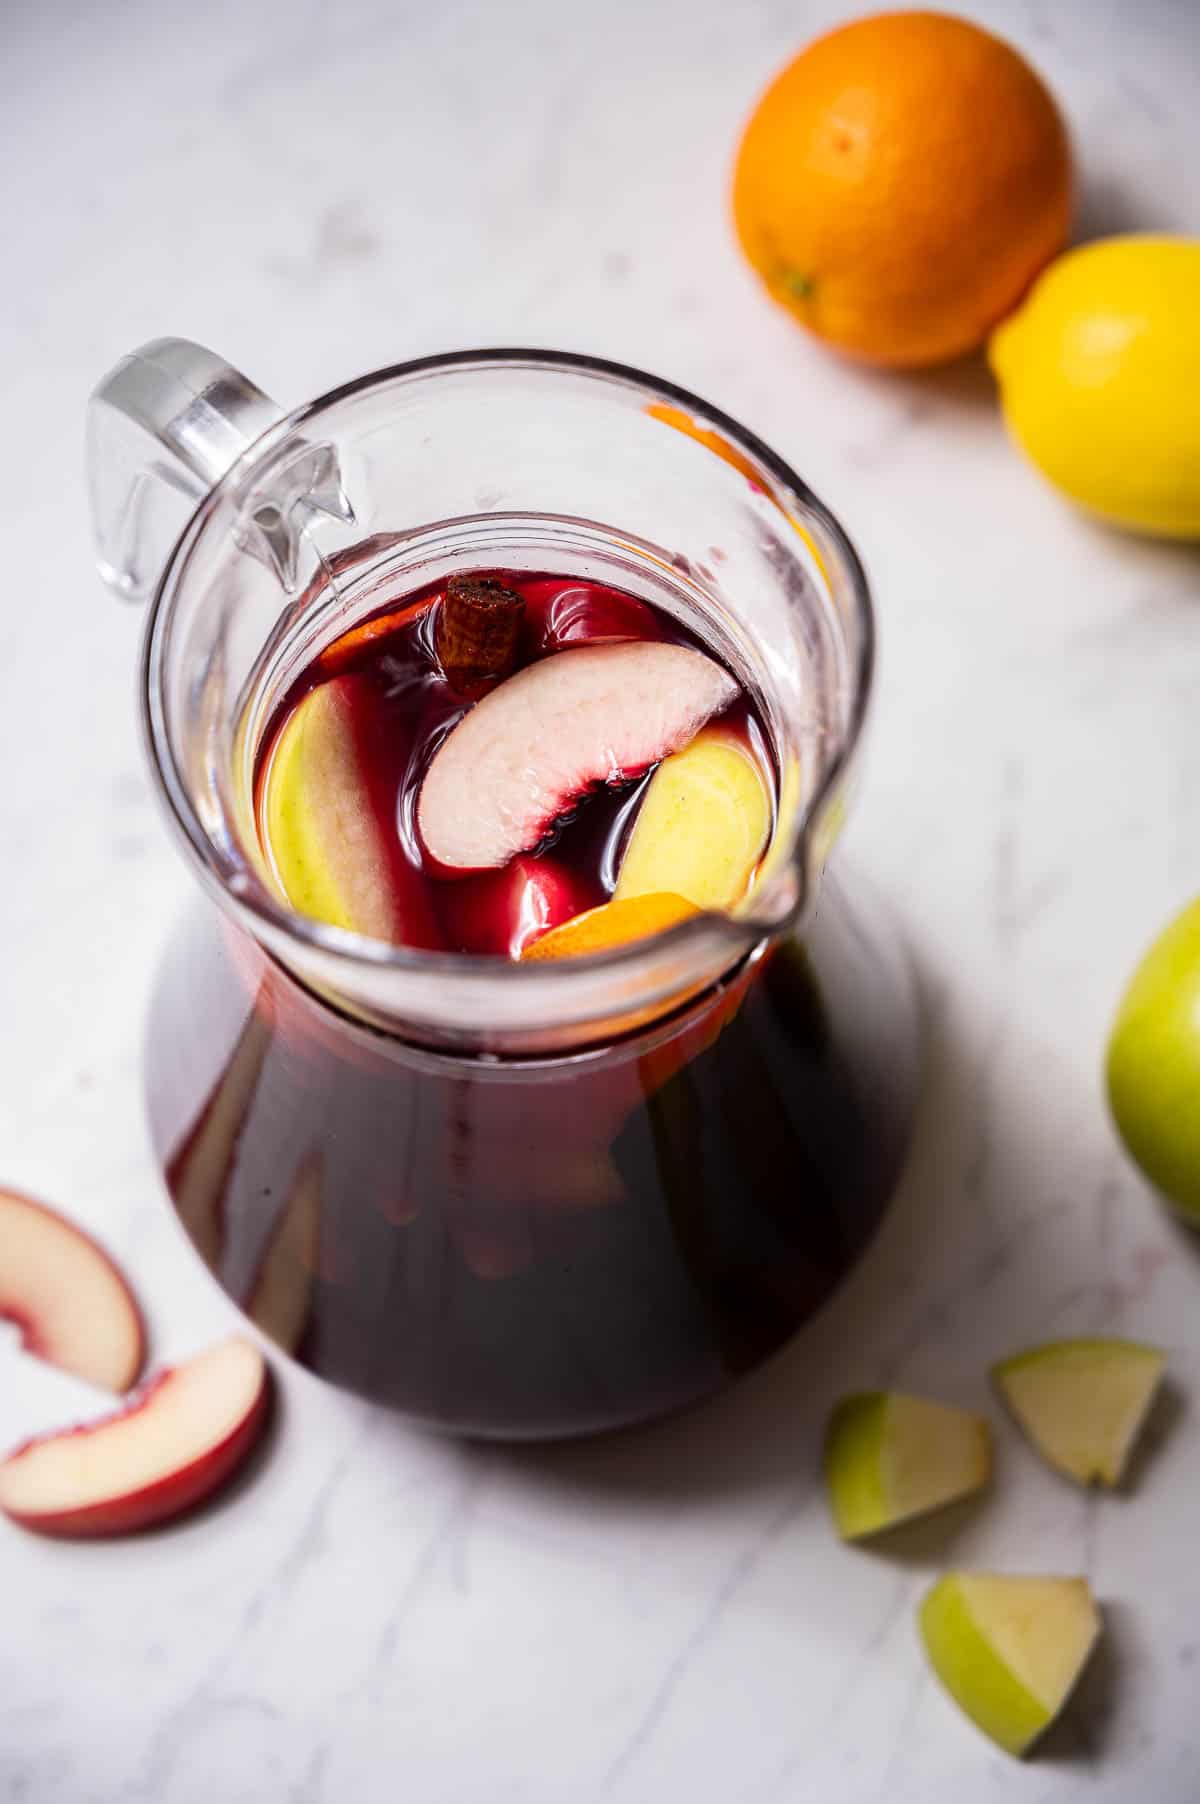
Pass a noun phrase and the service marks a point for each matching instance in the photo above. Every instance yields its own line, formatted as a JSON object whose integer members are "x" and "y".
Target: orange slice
{"x": 612, "y": 924}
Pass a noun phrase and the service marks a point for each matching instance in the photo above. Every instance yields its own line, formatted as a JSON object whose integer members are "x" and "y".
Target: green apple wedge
{"x": 889, "y": 1457}
{"x": 1082, "y": 1402}
{"x": 1153, "y": 1067}
{"x": 1009, "y": 1650}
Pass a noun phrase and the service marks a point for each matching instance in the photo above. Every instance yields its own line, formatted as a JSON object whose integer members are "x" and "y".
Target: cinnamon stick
{"x": 476, "y": 632}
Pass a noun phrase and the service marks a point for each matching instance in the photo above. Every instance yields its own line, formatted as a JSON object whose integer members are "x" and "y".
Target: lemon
{"x": 1099, "y": 373}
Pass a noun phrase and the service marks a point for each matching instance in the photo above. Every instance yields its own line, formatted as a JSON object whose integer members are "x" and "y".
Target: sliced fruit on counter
{"x": 889, "y": 1457}
{"x": 184, "y": 1435}
{"x": 615, "y": 923}
{"x": 1153, "y": 1067}
{"x": 702, "y": 827}
{"x": 501, "y": 912}
{"x": 532, "y": 748}
{"x": 327, "y": 847}
{"x": 71, "y": 1304}
{"x": 1082, "y": 1402}
{"x": 1009, "y": 1650}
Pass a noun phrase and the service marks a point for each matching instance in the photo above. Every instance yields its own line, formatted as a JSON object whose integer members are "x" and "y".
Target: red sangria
{"x": 491, "y": 759}
{"x": 531, "y": 1075}
{"x": 530, "y": 768}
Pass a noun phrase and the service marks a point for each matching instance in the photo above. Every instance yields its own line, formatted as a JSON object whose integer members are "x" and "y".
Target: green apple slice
{"x": 1082, "y": 1402}
{"x": 889, "y": 1457}
{"x": 1009, "y": 1650}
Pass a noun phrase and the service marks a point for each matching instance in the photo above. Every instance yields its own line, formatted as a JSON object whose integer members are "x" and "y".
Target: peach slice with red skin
{"x": 537, "y": 744}
{"x": 183, "y": 1435}
{"x": 67, "y": 1298}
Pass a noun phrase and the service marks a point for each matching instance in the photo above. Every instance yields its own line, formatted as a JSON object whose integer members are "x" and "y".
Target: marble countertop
{"x": 318, "y": 190}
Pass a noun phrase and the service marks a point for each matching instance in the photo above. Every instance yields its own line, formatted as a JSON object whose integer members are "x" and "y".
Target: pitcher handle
{"x": 163, "y": 427}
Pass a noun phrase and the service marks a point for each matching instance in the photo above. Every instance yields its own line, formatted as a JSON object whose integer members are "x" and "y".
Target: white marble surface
{"x": 316, "y": 190}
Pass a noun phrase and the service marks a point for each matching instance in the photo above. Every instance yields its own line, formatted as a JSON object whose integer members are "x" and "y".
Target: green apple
{"x": 1082, "y": 1402}
{"x": 889, "y": 1457}
{"x": 1009, "y": 1650}
{"x": 1154, "y": 1064}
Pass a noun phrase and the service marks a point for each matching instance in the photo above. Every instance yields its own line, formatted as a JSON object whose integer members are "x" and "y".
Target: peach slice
{"x": 328, "y": 853}
{"x": 702, "y": 827}
{"x": 539, "y": 742}
{"x": 181, "y": 1437}
{"x": 71, "y": 1304}
{"x": 612, "y": 924}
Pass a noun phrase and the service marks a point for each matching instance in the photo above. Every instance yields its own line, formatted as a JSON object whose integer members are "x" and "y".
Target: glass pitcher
{"x": 507, "y": 1199}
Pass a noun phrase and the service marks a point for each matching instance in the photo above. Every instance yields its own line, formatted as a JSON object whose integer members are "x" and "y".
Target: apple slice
{"x": 1009, "y": 1650}
{"x": 501, "y": 912}
{"x": 180, "y": 1437}
{"x": 612, "y": 924}
{"x": 889, "y": 1457}
{"x": 702, "y": 827}
{"x": 71, "y": 1304}
{"x": 329, "y": 854}
{"x": 539, "y": 742}
{"x": 1082, "y": 1402}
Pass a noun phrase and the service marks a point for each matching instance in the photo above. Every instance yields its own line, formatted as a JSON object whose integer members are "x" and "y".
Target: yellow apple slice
{"x": 1082, "y": 1402}
{"x": 1009, "y": 1650}
{"x": 323, "y": 840}
{"x": 889, "y": 1457}
{"x": 702, "y": 827}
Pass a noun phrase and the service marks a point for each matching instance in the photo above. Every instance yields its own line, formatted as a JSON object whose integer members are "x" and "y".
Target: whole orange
{"x": 901, "y": 183}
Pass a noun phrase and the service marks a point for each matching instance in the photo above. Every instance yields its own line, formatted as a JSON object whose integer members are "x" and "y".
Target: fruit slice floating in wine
{"x": 278, "y": 1299}
{"x": 1009, "y": 1650}
{"x": 174, "y": 1444}
{"x": 702, "y": 827}
{"x": 1082, "y": 1402}
{"x": 330, "y": 853}
{"x": 535, "y": 746}
{"x": 71, "y": 1304}
{"x": 889, "y": 1457}
{"x": 612, "y": 924}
